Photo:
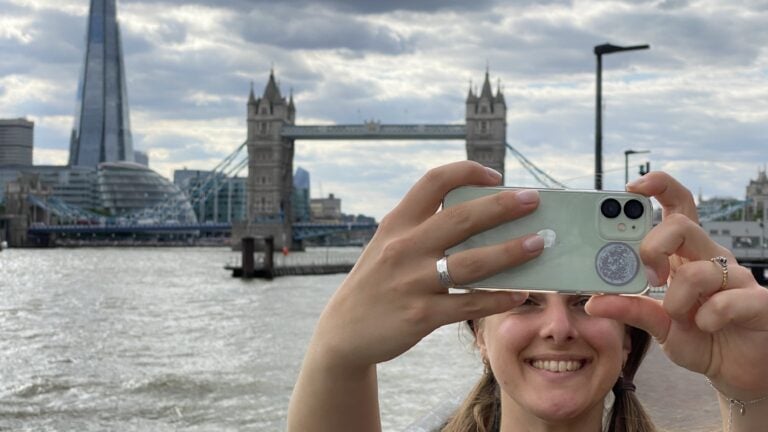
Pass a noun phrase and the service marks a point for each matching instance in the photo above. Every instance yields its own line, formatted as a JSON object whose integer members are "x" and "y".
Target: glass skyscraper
{"x": 102, "y": 129}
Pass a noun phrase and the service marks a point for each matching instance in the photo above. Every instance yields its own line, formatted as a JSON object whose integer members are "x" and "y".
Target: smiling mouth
{"x": 558, "y": 366}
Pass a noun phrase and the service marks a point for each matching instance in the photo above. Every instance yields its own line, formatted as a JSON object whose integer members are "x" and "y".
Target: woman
{"x": 555, "y": 363}
{"x": 713, "y": 320}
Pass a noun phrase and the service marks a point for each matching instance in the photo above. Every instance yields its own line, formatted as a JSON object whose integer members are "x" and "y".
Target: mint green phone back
{"x": 590, "y": 253}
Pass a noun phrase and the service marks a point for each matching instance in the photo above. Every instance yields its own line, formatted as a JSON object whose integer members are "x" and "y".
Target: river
{"x": 163, "y": 339}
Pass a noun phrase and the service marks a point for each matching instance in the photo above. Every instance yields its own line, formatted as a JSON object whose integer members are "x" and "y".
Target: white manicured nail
{"x": 527, "y": 196}
{"x": 533, "y": 243}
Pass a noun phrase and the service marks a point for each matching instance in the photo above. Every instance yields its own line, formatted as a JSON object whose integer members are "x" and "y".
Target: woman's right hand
{"x": 393, "y": 297}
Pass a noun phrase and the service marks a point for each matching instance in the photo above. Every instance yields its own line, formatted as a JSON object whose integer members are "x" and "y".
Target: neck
{"x": 516, "y": 419}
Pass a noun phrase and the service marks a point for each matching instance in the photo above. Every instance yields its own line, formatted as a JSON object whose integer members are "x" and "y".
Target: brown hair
{"x": 481, "y": 410}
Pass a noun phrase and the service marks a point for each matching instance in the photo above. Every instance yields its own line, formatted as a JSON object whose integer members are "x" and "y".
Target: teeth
{"x": 557, "y": 365}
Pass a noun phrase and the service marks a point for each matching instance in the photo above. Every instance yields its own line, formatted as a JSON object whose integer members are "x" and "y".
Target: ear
{"x": 626, "y": 345}
{"x": 480, "y": 338}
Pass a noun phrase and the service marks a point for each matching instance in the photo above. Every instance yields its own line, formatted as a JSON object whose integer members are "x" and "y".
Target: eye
{"x": 532, "y": 300}
{"x": 530, "y": 304}
{"x": 581, "y": 301}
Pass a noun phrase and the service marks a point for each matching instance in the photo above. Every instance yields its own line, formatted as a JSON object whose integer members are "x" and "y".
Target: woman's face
{"x": 551, "y": 359}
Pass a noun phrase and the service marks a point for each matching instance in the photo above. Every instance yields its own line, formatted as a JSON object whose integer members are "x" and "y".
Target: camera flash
{"x": 622, "y": 227}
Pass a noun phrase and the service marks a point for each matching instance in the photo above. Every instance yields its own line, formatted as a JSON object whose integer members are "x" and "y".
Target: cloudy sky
{"x": 698, "y": 99}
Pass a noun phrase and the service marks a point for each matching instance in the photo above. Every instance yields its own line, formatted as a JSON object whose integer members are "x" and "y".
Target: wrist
{"x": 741, "y": 414}
{"x": 328, "y": 357}
{"x": 727, "y": 391}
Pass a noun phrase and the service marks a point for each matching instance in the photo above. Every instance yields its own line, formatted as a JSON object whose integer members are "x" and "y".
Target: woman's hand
{"x": 719, "y": 330}
{"x": 393, "y": 297}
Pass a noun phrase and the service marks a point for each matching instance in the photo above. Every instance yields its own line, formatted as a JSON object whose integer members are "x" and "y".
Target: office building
{"x": 214, "y": 198}
{"x": 300, "y": 197}
{"x": 757, "y": 197}
{"x": 326, "y": 209}
{"x": 129, "y": 189}
{"x": 113, "y": 189}
{"x": 16, "y": 141}
{"x": 141, "y": 158}
{"x": 102, "y": 127}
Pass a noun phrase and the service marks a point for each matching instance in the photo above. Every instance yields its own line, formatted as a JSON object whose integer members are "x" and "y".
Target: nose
{"x": 559, "y": 326}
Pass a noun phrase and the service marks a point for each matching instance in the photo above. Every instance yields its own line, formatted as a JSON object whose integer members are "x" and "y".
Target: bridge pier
{"x": 281, "y": 234}
{"x": 248, "y": 269}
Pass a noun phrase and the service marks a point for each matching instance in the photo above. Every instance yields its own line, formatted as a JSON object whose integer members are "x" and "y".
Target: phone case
{"x": 586, "y": 252}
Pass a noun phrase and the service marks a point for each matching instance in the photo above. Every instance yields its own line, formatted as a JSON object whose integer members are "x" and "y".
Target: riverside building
{"x": 102, "y": 128}
{"x": 102, "y": 178}
{"x": 16, "y": 141}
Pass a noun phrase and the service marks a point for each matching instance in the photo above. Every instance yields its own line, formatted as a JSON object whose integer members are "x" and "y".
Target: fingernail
{"x": 653, "y": 278}
{"x": 635, "y": 183}
{"x": 495, "y": 175}
{"x": 518, "y": 297}
{"x": 533, "y": 243}
{"x": 527, "y": 196}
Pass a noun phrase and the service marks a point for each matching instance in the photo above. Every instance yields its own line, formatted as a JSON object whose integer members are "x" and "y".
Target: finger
{"x": 451, "y": 308}
{"x": 479, "y": 263}
{"x": 693, "y": 283}
{"x": 424, "y": 198}
{"x": 673, "y": 196}
{"x": 638, "y": 311}
{"x": 746, "y": 307}
{"x": 474, "y": 216}
{"x": 676, "y": 235}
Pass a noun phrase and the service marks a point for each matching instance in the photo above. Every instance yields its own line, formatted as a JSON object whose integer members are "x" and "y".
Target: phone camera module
{"x": 610, "y": 208}
{"x": 633, "y": 209}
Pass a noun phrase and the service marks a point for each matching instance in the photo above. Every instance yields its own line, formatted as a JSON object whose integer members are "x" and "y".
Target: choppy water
{"x": 165, "y": 340}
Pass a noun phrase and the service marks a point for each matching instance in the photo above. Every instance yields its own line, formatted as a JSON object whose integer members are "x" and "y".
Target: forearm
{"x": 332, "y": 397}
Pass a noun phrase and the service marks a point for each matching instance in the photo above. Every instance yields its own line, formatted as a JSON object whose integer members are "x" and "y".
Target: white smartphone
{"x": 591, "y": 238}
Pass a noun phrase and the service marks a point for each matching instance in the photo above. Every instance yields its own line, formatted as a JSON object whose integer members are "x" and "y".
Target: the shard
{"x": 102, "y": 128}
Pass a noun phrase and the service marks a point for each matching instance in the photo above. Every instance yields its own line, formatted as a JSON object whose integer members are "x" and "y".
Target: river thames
{"x": 163, "y": 339}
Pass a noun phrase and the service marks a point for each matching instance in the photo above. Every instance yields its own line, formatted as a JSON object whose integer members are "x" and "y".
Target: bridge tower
{"x": 486, "y": 125}
{"x": 270, "y": 165}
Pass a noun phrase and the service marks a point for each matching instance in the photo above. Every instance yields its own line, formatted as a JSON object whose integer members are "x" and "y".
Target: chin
{"x": 559, "y": 408}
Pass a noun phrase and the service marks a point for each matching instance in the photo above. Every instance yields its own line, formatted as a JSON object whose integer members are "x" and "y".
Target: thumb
{"x": 642, "y": 312}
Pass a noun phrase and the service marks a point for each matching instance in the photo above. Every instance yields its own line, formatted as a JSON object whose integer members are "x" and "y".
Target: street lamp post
{"x": 599, "y": 51}
{"x": 626, "y": 162}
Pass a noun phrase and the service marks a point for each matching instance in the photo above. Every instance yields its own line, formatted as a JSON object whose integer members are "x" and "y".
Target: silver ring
{"x": 442, "y": 273}
{"x": 723, "y": 262}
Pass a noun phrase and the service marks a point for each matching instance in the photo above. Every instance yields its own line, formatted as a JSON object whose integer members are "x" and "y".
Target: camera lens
{"x": 633, "y": 209}
{"x": 610, "y": 208}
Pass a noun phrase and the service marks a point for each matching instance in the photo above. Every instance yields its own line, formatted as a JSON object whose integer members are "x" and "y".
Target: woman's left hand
{"x": 714, "y": 326}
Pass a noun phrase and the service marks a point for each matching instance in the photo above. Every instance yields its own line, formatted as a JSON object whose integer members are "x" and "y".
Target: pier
{"x": 266, "y": 267}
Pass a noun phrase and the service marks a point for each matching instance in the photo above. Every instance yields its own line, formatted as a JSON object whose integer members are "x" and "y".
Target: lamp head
{"x": 610, "y": 48}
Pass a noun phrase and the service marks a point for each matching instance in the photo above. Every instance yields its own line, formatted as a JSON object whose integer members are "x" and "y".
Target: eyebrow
{"x": 566, "y": 296}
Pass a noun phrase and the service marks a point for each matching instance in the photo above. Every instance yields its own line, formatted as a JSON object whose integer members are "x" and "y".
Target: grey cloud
{"x": 536, "y": 47}
{"x": 56, "y": 37}
{"x": 355, "y": 6}
{"x": 320, "y": 30}
{"x": 407, "y": 5}
{"x": 690, "y": 38}
{"x": 162, "y": 84}
{"x": 672, "y": 4}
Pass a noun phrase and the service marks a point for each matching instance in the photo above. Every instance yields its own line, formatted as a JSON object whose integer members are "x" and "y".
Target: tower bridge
{"x": 272, "y": 132}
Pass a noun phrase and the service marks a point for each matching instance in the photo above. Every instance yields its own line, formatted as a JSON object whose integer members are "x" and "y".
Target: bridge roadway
{"x": 301, "y": 230}
{"x": 376, "y": 131}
